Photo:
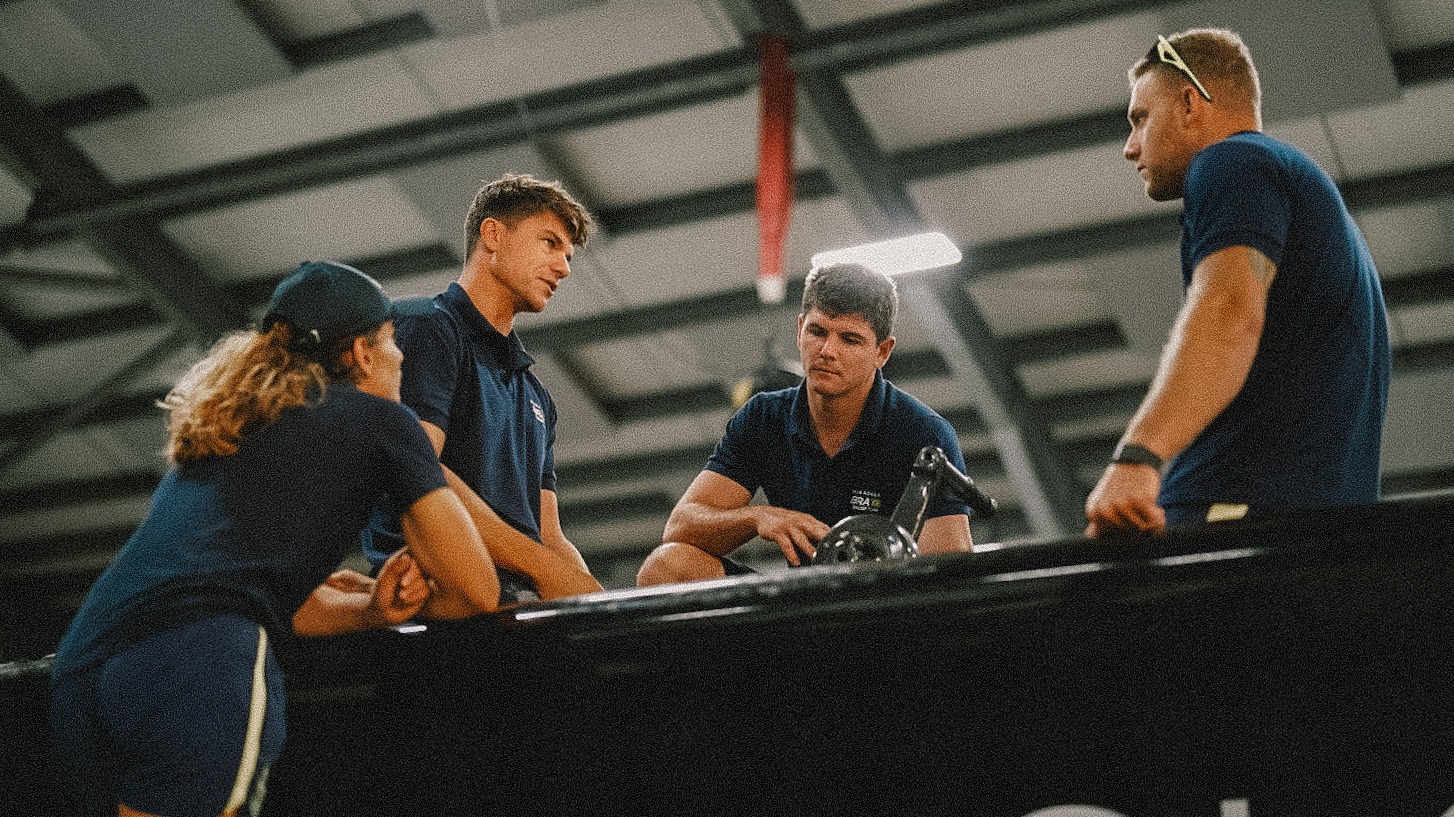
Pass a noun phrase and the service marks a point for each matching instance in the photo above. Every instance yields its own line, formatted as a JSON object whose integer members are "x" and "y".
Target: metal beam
{"x": 880, "y": 41}
{"x": 144, "y": 256}
{"x": 136, "y": 248}
{"x": 875, "y": 42}
{"x": 79, "y": 411}
{"x": 483, "y": 127}
{"x": 982, "y": 259}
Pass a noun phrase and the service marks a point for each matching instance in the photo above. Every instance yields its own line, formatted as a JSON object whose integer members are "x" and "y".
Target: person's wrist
{"x": 1136, "y": 454}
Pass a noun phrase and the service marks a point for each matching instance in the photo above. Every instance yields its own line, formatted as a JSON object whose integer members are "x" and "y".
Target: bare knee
{"x": 676, "y": 562}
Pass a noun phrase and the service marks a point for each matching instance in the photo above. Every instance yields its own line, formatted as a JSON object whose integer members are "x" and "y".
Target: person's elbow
{"x": 445, "y": 543}
{"x": 482, "y": 594}
{"x": 471, "y": 598}
{"x": 674, "y": 530}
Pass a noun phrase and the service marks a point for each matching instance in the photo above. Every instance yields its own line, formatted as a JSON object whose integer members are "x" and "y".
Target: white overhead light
{"x": 896, "y": 256}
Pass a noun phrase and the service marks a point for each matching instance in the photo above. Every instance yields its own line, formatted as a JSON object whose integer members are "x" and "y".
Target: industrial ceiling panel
{"x": 826, "y": 13}
{"x": 1091, "y": 372}
{"x": 1410, "y": 238}
{"x": 641, "y": 365}
{"x": 684, "y": 261}
{"x": 319, "y": 104}
{"x": 1068, "y": 72}
{"x": 1419, "y": 432}
{"x": 1039, "y": 298}
{"x": 32, "y": 34}
{"x": 266, "y": 237}
{"x": 1410, "y": 24}
{"x": 309, "y": 19}
{"x": 1425, "y": 323}
{"x": 1421, "y": 124}
{"x": 672, "y": 153}
{"x": 15, "y": 198}
{"x": 41, "y": 300}
{"x": 1141, "y": 287}
{"x": 1043, "y": 194}
{"x": 598, "y": 41}
{"x": 65, "y": 371}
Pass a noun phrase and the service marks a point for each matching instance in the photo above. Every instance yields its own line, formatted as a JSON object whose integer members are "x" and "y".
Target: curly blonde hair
{"x": 245, "y": 382}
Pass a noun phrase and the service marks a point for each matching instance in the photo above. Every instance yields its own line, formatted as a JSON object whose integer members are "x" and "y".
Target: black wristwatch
{"x": 1133, "y": 454}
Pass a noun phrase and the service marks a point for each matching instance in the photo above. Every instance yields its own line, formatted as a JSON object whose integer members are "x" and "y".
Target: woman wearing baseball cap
{"x": 166, "y": 696}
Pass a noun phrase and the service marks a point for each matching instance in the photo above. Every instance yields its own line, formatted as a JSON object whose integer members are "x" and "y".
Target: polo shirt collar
{"x": 507, "y": 350}
{"x": 800, "y": 421}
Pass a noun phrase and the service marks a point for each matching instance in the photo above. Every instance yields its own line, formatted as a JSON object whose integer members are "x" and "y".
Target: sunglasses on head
{"x": 1163, "y": 52}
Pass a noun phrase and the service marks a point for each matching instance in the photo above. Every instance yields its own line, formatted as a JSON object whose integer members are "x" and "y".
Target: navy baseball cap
{"x": 325, "y": 302}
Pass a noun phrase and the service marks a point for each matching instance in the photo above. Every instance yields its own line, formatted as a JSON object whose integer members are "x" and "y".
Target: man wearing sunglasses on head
{"x": 1271, "y": 390}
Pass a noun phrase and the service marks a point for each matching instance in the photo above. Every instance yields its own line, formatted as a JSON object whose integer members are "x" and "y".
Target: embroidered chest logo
{"x": 539, "y": 412}
{"x": 865, "y": 501}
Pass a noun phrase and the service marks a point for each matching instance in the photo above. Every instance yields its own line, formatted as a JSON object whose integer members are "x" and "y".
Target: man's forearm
{"x": 946, "y": 534}
{"x": 718, "y": 531}
{"x": 1204, "y": 366}
{"x": 554, "y": 576}
{"x": 331, "y": 611}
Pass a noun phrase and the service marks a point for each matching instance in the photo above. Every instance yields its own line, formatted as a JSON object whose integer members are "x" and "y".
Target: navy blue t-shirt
{"x": 475, "y": 384}
{"x": 770, "y": 444}
{"x": 252, "y": 534}
{"x": 1306, "y": 429}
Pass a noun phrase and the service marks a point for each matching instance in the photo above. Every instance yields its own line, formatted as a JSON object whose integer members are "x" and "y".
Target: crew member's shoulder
{"x": 766, "y": 407}
{"x": 345, "y": 398}
{"x": 1250, "y": 148}
{"x": 911, "y": 416}
{"x": 897, "y": 398}
{"x": 768, "y": 401}
{"x": 429, "y": 314}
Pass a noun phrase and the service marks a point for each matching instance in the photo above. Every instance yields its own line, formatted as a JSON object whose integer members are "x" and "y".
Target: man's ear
{"x": 885, "y": 348}
{"x": 1191, "y": 103}
{"x": 490, "y": 234}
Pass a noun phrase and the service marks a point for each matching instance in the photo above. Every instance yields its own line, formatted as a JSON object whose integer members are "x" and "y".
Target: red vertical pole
{"x": 774, "y": 167}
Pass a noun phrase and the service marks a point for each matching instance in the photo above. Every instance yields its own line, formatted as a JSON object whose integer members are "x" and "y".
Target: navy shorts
{"x": 185, "y": 723}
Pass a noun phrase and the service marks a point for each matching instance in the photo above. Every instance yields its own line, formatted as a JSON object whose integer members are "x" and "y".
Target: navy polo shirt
{"x": 1306, "y": 429}
{"x": 770, "y": 444}
{"x": 475, "y": 384}
{"x": 253, "y": 533}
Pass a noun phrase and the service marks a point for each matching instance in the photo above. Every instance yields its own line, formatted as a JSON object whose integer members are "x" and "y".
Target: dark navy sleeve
{"x": 431, "y": 347}
{"x": 737, "y": 454}
{"x": 942, "y": 434}
{"x": 1236, "y": 194}
{"x": 547, "y": 468}
{"x": 410, "y": 468}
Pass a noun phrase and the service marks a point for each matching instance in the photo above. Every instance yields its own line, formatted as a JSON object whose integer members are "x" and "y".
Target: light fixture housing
{"x": 896, "y": 256}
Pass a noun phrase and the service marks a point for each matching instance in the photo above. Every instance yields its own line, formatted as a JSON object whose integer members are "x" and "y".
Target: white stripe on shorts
{"x": 252, "y": 746}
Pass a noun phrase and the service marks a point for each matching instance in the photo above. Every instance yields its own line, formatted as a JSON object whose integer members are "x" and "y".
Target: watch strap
{"x": 1133, "y": 454}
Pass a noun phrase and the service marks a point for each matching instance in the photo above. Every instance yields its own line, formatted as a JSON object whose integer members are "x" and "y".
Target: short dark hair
{"x": 853, "y": 289}
{"x": 516, "y": 196}
{"x": 1218, "y": 57}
